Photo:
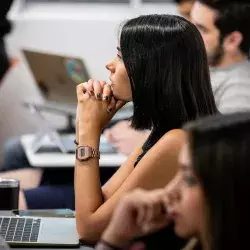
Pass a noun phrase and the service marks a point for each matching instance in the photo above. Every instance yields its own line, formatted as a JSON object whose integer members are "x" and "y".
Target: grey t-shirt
{"x": 231, "y": 87}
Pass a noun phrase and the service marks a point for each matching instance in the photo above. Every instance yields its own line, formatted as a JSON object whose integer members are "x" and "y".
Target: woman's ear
{"x": 233, "y": 41}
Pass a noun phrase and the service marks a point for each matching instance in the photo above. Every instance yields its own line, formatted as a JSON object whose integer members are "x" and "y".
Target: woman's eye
{"x": 119, "y": 57}
{"x": 190, "y": 180}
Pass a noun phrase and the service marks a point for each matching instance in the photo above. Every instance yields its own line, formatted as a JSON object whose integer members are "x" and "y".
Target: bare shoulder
{"x": 159, "y": 165}
{"x": 173, "y": 139}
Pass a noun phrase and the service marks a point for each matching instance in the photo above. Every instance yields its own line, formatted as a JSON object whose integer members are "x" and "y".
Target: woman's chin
{"x": 185, "y": 234}
{"x": 118, "y": 96}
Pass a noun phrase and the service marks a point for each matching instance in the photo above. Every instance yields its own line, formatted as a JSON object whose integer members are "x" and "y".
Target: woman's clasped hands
{"x": 96, "y": 104}
{"x": 138, "y": 213}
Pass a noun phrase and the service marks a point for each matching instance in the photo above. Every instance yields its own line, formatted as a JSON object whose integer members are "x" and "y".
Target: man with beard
{"x": 224, "y": 26}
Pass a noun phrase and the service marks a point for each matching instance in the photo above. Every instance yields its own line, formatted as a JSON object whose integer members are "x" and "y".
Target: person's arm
{"x": 154, "y": 170}
{"x": 138, "y": 213}
{"x": 127, "y": 141}
{"x": 234, "y": 97}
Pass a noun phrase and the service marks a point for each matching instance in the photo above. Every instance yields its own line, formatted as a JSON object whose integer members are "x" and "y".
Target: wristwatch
{"x": 83, "y": 153}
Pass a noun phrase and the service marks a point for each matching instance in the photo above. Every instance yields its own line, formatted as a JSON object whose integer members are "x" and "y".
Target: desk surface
{"x": 9, "y": 213}
{"x": 63, "y": 160}
{"x": 80, "y": 248}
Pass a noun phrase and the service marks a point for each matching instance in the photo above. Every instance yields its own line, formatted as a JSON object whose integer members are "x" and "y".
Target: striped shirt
{"x": 231, "y": 87}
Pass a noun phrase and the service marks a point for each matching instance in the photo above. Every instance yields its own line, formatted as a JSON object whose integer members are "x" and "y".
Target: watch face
{"x": 83, "y": 153}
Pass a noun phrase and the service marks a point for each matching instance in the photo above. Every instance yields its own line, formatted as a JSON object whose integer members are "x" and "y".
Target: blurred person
{"x": 207, "y": 200}
{"x": 184, "y": 7}
{"x": 125, "y": 138}
{"x": 14, "y": 155}
{"x": 154, "y": 68}
{"x": 224, "y": 26}
{"x": 5, "y": 28}
{"x": 39, "y": 185}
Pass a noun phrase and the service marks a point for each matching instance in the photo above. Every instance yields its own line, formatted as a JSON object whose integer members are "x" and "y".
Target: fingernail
{"x": 105, "y": 98}
{"x": 109, "y": 110}
{"x": 98, "y": 96}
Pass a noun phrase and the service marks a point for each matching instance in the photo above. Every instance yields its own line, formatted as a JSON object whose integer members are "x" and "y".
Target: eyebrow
{"x": 118, "y": 48}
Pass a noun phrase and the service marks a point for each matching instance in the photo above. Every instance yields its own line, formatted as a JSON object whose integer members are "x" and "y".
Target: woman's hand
{"x": 127, "y": 141}
{"x": 96, "y": 105}
{"x": 138, "y": 213}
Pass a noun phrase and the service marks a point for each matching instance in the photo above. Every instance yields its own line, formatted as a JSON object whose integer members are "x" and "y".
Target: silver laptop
{"x": 39, "y": 231}
{"x": 56, "y": 75}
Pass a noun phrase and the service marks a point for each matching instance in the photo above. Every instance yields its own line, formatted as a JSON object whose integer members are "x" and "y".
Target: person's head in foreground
{"x": 184, "y": 7}
{"x": 209, "y": 196}
{"x": 224, "y": 26}
{"x": 161, "y": 65}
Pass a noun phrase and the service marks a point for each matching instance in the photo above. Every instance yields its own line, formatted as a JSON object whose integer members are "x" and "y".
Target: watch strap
{"x": 95, "y": 153}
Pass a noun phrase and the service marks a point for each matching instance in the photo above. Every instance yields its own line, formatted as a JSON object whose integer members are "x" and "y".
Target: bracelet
{"x": 77, "y": 143}
{"x": 107, "y": 246}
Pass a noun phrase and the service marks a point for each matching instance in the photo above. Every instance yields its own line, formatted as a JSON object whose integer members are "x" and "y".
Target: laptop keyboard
{"x": 15, "y": 229}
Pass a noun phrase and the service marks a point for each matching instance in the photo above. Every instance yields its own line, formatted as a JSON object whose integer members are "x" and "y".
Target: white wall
{"x": 85, "y": 30}
{"x": 82, "y": 30}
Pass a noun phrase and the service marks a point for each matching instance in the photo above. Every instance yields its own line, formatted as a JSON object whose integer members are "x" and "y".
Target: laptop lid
{"x": 56, "y": 76}
{"x": 39, "y": 231}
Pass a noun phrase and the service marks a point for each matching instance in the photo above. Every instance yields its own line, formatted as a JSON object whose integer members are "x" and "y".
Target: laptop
{"x": 65, "y": 143}
{"x": 56, "y": 76}
{"x": 39, "y": 231}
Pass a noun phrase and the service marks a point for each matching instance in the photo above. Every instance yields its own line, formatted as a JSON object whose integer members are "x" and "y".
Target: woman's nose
{"x": 172, "y": 190}
{"x": 110, "y": 66}
{"x": 174, "y": 196}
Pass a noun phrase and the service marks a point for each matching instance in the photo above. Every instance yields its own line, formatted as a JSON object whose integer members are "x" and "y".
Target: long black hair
{"x": 166, "y": 61}
{"x": 220, "y": 149}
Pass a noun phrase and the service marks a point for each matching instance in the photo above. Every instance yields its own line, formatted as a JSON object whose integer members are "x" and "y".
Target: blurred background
{"x": 86, "y": 29}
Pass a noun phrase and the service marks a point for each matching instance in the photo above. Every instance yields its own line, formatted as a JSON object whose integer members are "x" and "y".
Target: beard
{"x": 215, "y": 57}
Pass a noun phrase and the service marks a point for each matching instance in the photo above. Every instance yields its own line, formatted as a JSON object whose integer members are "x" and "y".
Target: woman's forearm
{"x": 88, "y": 192}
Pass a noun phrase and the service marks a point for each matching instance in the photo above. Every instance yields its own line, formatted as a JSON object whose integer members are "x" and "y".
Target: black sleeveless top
{"x": 165, "y": 238}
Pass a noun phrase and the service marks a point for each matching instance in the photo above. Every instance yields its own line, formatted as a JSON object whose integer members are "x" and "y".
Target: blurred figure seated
{"x": 224, "y": 27}
{"x": 5, "y": 28}
{"x": 207, "y": 201}
{"x": 184, "y": 7}
{"x": 125, "y": 138}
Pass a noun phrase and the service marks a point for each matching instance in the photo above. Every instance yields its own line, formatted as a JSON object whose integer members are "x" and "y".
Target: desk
{"x": 9, "y": 213}
{"x": 54, "y": 160}
{"x": 40, "y": 248}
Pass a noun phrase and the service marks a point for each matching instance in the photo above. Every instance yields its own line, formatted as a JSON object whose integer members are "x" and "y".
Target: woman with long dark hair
{"x": 161, "y": 66}
{"x": 208, "y": 198}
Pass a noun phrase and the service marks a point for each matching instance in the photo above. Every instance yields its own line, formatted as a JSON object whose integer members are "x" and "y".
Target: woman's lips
{"x": 173, "y": 214}
{"x": 111, "y": 84}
